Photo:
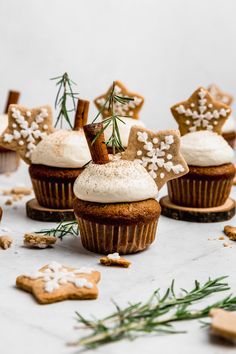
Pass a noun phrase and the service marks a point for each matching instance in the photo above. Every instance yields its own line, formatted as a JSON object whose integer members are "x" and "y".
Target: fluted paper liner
{"x": 124, "y": 239}
{"x": 9, "y": 161}
{"x": 197, "y": 193}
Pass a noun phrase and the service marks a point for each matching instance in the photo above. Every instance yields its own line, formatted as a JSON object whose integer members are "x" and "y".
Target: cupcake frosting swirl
{"x": 205, "y": 148}
{"x": 63, "y": 148}
{"x": 124, "y": 129}
{"x": 115, "y": 182}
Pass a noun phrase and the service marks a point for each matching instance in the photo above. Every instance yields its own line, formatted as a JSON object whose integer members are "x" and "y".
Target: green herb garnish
{"x": 115, "y": 140}
{"x": 69, "y": 228}
{"x": 155, "y": 316}
{"x": 64, "y": 94}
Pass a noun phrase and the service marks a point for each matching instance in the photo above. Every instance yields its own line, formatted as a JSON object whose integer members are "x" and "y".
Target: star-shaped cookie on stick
{"x": 158, "y": 152}
{"x": 55, "y": 282}
{"x": 26, "y": 128}
{"x": 219, "y": 95}
{"x": 130, "y": 109}
{"x": 200, "y": 112}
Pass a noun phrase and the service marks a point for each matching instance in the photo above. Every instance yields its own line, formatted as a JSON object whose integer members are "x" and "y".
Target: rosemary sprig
{"x": 155, "y": 316}
{"x": 64, "y": 94}
{"x": 115, "y": 140}
{"x": 69, "y": 228}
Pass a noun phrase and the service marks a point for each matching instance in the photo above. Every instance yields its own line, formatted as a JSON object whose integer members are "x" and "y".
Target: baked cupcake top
{"x": 115, "y": 182}
{"x": 63, "y": 148}
{"x": 205, "y": 148}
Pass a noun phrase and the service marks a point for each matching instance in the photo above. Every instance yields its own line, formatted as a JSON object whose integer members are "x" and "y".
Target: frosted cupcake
{"x": 229, "y": 128}
{"x": 115, "y": 206}
{"x": 56, "y": 163}
{"x": 9, "y": 160}
{"x": 127, "y": 111}
{"x": 208, "y": 155}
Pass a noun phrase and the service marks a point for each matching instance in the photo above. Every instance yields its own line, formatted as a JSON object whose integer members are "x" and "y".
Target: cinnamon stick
{"x": 13, "y": 98}
{"x": 97, "y": 147}
{"x": 81, "y": 115}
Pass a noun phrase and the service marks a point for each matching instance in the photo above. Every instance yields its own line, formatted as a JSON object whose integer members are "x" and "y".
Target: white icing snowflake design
{"x": 119, "y": 108}
{"x": 56, "y": 275}
{"x": 25, "y": 133}
{"x": 157, "y": 159}
{"x": 202, "y": 115}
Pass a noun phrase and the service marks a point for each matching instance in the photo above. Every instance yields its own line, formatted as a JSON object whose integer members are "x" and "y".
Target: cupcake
{"x": 209, "y": 157}
{"x": 127, "y": 111}
{"x": 229, "y": 128}
{"x": 115, "y": 205}
{"x": 9, "y": 160}
{"x": 57, "y": 161}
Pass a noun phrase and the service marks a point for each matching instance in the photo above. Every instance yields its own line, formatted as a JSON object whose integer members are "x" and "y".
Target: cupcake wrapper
{"x": 53, "y": 195}
{"x": 9, "y": 161}
{"x": 199, "y": 193}
{"x": 105, "y": 239}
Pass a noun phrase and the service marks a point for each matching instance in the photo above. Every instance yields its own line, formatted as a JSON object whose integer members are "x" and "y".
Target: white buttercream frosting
{"x": 230, "y": 125}
{"x": 3, "y": 122}
{"x": 124, "y": 129}
{"x": 205, "y": 148}
{"x": 115, "y": 182}
{"x": 63, "y": 148}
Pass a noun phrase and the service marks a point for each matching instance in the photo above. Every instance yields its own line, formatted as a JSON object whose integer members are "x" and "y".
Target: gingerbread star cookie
{"x": 130, "y": 109}
{"x": 55, "y": 282}
{"x": 223, "y": 323}
{"x": 200, "y": 112}
{"x": 219, "y": 95}
{"x": 26, "y": 128}
{"x": 114, "y": 259}
{"x": 158, "y": 152}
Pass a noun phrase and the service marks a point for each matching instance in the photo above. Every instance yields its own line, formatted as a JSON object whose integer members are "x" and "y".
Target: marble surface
{"x": 182, "y": 251}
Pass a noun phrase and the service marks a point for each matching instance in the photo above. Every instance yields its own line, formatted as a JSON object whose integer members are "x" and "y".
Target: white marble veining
{"x": 181, "y": 251}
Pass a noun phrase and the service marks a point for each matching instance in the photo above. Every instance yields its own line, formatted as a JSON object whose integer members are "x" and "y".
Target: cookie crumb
{"x": 115, "y": 259}
{"x": 230, "y": 231}
{"x": 21, "y": 191}
{"x": 8, "y": 202}
{"x": 38, "y": 240}
{"x": 5, "y": 242}
{"x": 223, "y": 323}
{"x": 221, "y": 238}
{"x": 226, "y": 244}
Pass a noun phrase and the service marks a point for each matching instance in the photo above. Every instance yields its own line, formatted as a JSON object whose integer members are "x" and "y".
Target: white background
{"x": 162, "y": 49}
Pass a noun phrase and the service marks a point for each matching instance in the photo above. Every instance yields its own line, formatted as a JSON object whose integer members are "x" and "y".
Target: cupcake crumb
{"x": 5, "y": 242}
{"x": 8, "y": 202}
{"x": 230, "y": 232}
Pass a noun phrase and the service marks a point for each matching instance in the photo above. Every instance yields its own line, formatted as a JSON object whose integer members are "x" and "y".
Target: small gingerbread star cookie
{"x": 219, "y": 95}
{"x": 26, "y": 128}
{"x": 158, "y": 152}
{"x": 130, "y": 109}
{"x": 114, "y": 259}
{"x": 55, "y": 282}
{"x": 200, "y": 112}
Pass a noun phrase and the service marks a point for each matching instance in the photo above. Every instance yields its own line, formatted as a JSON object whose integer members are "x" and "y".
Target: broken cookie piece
{"x": 38, "y": 240}
{"x": 115, "y": 259}
{"x": 5, "y": 242}
{"x": 230, "y": 231}
{"x": 223, "y": 323}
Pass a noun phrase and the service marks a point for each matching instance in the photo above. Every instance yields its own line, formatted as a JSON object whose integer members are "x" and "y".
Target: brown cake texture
{"x": 230, "y": 137}
{"x": 118, "y": 227}
{"x": 53, "y": 187}
{"x": 202, "y": 187}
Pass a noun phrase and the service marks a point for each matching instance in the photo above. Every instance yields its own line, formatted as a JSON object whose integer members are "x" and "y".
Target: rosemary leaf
{"x": 156, "y": 316}
{"x": 69, "y": 228}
